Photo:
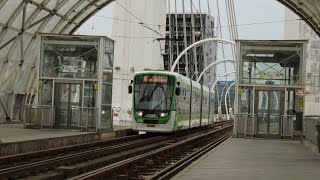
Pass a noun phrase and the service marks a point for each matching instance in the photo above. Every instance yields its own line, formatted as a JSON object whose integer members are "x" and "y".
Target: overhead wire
{"x": 141, "y": 22}
{"x": 222, "y": 26}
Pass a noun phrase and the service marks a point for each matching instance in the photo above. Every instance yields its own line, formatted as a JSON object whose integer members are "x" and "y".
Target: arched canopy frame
{"x": 21, "y": 20}
{"x": 214, "y": 64}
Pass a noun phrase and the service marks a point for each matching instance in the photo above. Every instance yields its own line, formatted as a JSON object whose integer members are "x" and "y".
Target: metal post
{"x": 225, "y": 99}
{"x": 194, "y": 40}
{"x": 87, "y": 120}
{"x": 24, "y": 114}
{"x": 291, "y": 127}
{"x": 53, "y": 115}
{"x": 4, "y": 108}
{"x": 170, "y": 36}
{"x": 41, "y": 117}
{"x": 185, "y": 37}
{"x": 220, "y": 29}
{"x": 177, "y": 34}
{"x": 245, "y": 125}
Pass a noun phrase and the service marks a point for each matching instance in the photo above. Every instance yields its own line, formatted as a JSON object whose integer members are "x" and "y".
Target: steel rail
{"x": 37, "y": 166}
{"x": 106, "y": 155}
{"x": 17, "y": 158}
{"x": 126, "y": 164}
{"x": 175, "y": 168}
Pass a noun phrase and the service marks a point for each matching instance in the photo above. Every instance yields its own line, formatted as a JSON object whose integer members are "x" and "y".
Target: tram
{"x": 168, "y": 102}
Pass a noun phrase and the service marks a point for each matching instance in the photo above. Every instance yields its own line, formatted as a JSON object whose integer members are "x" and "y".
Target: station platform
{"x": 14, "y": 138}
{"x": 255, "y": 159}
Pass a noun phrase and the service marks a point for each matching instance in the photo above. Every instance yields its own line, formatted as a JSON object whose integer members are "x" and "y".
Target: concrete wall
{"x": 300, "y": 30}
{"x": 291, "y": 26}
{"x": 136, "y": 47}
{"x": 11, "y": 148}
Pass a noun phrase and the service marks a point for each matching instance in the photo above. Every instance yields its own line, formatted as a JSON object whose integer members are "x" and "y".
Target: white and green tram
{"x": 168, "y": 102}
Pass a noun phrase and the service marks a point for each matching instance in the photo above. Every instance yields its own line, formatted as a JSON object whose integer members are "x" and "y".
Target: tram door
{"x": 269, "y": 105}
{"x": 67, "y": 100}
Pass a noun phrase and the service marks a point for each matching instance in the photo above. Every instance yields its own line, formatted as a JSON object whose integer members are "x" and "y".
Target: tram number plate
{"x": 151, "y": 125}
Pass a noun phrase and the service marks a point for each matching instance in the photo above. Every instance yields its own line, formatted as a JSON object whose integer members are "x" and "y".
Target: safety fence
{"x": 287, "y": 126}
{"x": 88, "y": 118}
{"x": 309, "y": 128}
{"x": 39, "y": 116}
{"x": 84, "y": 118}
{"x": 245, "y": 125}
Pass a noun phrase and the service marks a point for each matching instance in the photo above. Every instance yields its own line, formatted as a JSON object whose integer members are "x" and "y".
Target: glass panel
{"x": 90, "y": 94}
{"x": 67, "y": 103}
{"x": 153, "y": 92}
{"x": 106, "y": 94}
{"x": 266, "y": 73}
{"x": 275, "y": 112}
{"x": 106, "y": 117}
{"x": 271, "y": 63}
{"x": 69, "y": 58}
{"x": 107, "y": 60}
{"x": 107, "y": 75}
{"x": 22, "y": 79}
{"x": 7, "y": 10}
{"x": 246, "y": 99}
{"x": 45, "y": 92}
{"x": 263, "y": 112}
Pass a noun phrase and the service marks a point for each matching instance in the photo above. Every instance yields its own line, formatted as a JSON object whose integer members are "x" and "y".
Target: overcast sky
{"x": 256, "y": 19}
{"x": 247, "y": 12}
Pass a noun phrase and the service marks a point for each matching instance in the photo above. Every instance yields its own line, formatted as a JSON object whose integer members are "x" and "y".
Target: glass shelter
{"x": 74, "y": 83}
{"x": 269, "y": 75}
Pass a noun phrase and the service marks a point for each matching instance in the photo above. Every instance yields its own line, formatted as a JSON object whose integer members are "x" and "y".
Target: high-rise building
{"x": 175, "y": 44}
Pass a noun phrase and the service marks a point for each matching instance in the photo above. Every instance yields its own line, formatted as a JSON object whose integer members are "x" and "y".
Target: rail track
{"x": 70, "y": 161}
{"x": 162, "y": 163}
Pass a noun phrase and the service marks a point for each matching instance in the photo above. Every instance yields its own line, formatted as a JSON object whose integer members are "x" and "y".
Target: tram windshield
{"x": 153, "y": 92}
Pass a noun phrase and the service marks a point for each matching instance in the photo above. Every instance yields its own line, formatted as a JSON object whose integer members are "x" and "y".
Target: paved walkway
{"x": 258, "y": 159}
{"x": 16, "y": 132}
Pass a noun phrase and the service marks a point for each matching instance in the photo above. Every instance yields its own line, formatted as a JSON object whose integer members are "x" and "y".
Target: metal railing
{"x": 39, "y": 116}
{"x": 245, "y": 125}
{"x": 43, "y": 116}
{"x": 309, "y": 128}
{"x": 287, "y": 125}
{"x": 88, "y": 118}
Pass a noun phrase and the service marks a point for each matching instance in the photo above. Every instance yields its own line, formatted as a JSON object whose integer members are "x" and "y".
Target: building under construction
{"x": 201, "y": 26}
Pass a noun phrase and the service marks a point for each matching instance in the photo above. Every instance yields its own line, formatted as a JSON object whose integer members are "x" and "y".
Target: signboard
{"x": 302, "y": 92}
{"x": 155, "y": 79}
{"x": 68, "y": 69}
{"x": 269, "y": 75}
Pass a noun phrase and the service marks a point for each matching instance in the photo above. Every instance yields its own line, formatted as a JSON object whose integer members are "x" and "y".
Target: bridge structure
{"x": 261, "y": 97}
{"x": 22, "y": 20}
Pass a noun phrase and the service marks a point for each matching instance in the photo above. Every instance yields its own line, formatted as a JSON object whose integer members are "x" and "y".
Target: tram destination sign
{"x": 155, "y": 79}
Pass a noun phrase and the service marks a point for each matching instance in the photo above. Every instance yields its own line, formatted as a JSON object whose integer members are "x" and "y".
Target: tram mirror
{"x": 178, "y": 91}
{"x": 130, "y": 89}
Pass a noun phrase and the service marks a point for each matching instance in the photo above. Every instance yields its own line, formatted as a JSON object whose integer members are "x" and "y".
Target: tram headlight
{"x": 163, "y": 114}
{"x": 139, "y": 113}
